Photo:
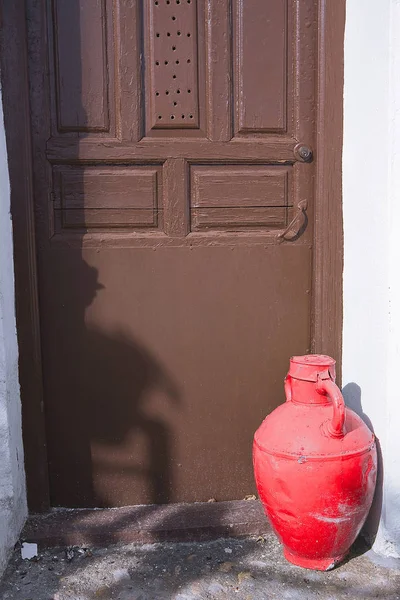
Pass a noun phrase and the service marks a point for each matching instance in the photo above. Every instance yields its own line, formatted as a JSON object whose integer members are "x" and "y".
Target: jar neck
{"x": 305, "y": 392}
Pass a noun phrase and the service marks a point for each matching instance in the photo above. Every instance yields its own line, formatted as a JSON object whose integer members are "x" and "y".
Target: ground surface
{"x": 242, "y": 569}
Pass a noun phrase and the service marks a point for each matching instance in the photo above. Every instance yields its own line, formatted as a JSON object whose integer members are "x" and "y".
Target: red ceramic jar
{"x": 315, "y": 466}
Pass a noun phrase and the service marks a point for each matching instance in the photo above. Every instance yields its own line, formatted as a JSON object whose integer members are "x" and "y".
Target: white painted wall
{"x": 371, "y": 205}
{"x": 12, "y": 477}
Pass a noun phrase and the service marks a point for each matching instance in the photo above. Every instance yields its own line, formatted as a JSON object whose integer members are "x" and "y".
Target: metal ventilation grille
{"x": 174, "y": 43}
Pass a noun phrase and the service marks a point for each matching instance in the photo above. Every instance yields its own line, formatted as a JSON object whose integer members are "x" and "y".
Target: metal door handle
{"x": 301, "y": 210}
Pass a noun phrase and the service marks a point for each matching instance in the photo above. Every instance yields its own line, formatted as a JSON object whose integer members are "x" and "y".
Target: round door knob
{"x": 303, "y": 153}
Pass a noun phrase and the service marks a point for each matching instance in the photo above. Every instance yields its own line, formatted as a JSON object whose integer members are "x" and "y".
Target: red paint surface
{"x": 315, "y": 466}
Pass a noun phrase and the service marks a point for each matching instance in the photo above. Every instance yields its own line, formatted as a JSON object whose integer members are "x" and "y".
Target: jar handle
{"x": 325, "y": 385}
{"x": 288, "y": 388}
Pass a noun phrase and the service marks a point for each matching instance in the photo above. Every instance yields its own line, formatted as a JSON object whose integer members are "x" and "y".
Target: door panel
{"x": 261, "y": 61}
{"x": 164, "y": 178}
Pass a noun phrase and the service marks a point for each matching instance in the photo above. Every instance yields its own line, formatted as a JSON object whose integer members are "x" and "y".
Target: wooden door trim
{"x": 328, "y": 241}
{"x": 328, "y": 249}
{"x": 15, "y": 93}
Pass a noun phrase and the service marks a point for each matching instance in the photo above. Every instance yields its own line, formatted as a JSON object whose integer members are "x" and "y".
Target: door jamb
{"x": 15, "y": 95}
{"x": 328, "y": 241}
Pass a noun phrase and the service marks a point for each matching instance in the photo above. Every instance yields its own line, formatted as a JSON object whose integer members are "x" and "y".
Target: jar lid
{"x": 309, "y": 366}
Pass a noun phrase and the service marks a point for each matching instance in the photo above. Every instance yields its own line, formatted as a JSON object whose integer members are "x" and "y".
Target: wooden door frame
{"x": 328, "y": 241}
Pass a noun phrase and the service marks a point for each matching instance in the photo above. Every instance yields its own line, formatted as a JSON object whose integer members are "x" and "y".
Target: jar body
{"x": 316, "y": 488}
{"x": 316, "y": 505}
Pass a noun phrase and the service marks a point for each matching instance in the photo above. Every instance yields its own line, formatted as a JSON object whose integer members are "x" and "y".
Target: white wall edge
{"x": 13, "y": 508}
{"x": 371, "y": 213}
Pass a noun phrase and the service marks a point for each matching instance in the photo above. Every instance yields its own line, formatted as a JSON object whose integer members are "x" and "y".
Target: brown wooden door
{"x": 165, "y": 170}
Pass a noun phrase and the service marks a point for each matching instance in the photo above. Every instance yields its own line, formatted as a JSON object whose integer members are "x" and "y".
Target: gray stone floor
{"x": 242, "y": 569}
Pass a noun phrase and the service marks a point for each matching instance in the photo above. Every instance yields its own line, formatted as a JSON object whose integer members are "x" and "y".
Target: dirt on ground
{"x": 242, "y": 569}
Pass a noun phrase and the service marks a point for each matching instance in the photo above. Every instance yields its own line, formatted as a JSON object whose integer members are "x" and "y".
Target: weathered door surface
{"x": 165, "y": 169}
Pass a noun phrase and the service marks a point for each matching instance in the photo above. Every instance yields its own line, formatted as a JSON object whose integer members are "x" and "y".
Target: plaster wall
{"x": 371, "y": 213}
{"x": 13, "y": 508}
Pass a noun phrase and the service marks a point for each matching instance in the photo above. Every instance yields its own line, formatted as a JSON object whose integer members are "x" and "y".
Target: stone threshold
{"x": 146, "y": 524}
